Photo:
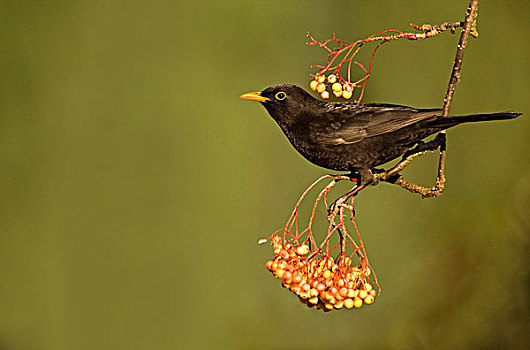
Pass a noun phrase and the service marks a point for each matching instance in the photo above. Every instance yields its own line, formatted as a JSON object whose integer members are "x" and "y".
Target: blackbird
{"x": 348, "y": 136}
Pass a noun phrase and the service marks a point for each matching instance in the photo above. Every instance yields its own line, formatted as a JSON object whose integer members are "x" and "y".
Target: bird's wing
{"x": 347, "y": 124}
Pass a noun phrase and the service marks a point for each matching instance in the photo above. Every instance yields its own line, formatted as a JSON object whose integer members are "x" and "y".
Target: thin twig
{"x": 469, "y": 28}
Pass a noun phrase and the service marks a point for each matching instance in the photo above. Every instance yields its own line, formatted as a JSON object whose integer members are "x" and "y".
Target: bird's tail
{"x": 454, "y": 120}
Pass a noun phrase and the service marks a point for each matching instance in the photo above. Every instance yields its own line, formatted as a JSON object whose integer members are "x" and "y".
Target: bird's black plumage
{"x": 354, "y": 137}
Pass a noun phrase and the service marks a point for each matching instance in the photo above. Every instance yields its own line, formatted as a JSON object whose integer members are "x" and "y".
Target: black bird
{"x": 348, "y": 136}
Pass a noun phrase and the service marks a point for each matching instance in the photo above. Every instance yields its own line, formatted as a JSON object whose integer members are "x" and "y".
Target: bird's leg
{"x": 365, "y": 179}
{"x": 438, "y": 141}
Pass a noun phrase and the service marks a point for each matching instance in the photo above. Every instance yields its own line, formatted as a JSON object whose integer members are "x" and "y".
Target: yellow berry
{"x": 348, "y": 303}
{"x": 326, "y": 274}
{"x": 337, "y": 93}
{"x": 347, "y": 87}
{"x": 369, "y": 299}
{"x": 347, "y": 94}
{"x": 367, "y": 287}
{"x": 321, "y": 87}
{"x": 351, "y": 293}
{"x": 325, "y": 95}
{"x": 313, "y": 300}
{"x": 320, "y": 78}
{"x": 332, "y": 78}
{"x": 357, "y": 302}
{"x": 302, "y": 250}
{"x": 336, "y": 87}
{"x": 338, "y": 304}
{"x": 313, "y": 85}
{"x": 328, "y": 306}
{"x": 363, "y": 294}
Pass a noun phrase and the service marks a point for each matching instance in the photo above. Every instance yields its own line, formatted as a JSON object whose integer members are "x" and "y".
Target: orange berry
{"x": 332, "y": 78}
{"x": 268, "y": 265}
{"x": 313, "y": 300}
{"x": 328, "y": 306}
{"x": 373, "y": 292}
{"x": 313, "y": 292}
{"x": 369, "y": 299}
{"x": 321, "y": 287}
{"x": 313, "y": 85}
{"x": 339, "y": 304}
{"x": 343, "y": 292}
{"x": 321, "y": 87}
{"x": 287, "y": 276}
{"x": 348, "y": 303}
{"x": 297, "y": 277}
{"x": 357, "y": 302}
{"x": 347, "y": 87}
{"x": 306, "y": 287}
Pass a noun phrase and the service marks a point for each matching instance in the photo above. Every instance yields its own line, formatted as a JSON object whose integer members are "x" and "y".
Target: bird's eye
{"x": 281, "y": 95}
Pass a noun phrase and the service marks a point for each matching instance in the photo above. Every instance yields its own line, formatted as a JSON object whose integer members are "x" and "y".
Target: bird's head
{"x": 284, "y": 102}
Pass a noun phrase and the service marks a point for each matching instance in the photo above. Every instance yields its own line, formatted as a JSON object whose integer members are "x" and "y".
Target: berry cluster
{"x": 318, "y": 280}
{"x": 318, "y": 84}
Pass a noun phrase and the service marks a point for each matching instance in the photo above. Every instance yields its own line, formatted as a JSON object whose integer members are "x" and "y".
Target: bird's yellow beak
{"x": 254, "y": 96}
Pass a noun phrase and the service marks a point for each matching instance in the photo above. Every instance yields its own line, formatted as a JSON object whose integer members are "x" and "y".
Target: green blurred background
{"x": 134, "y": 183}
